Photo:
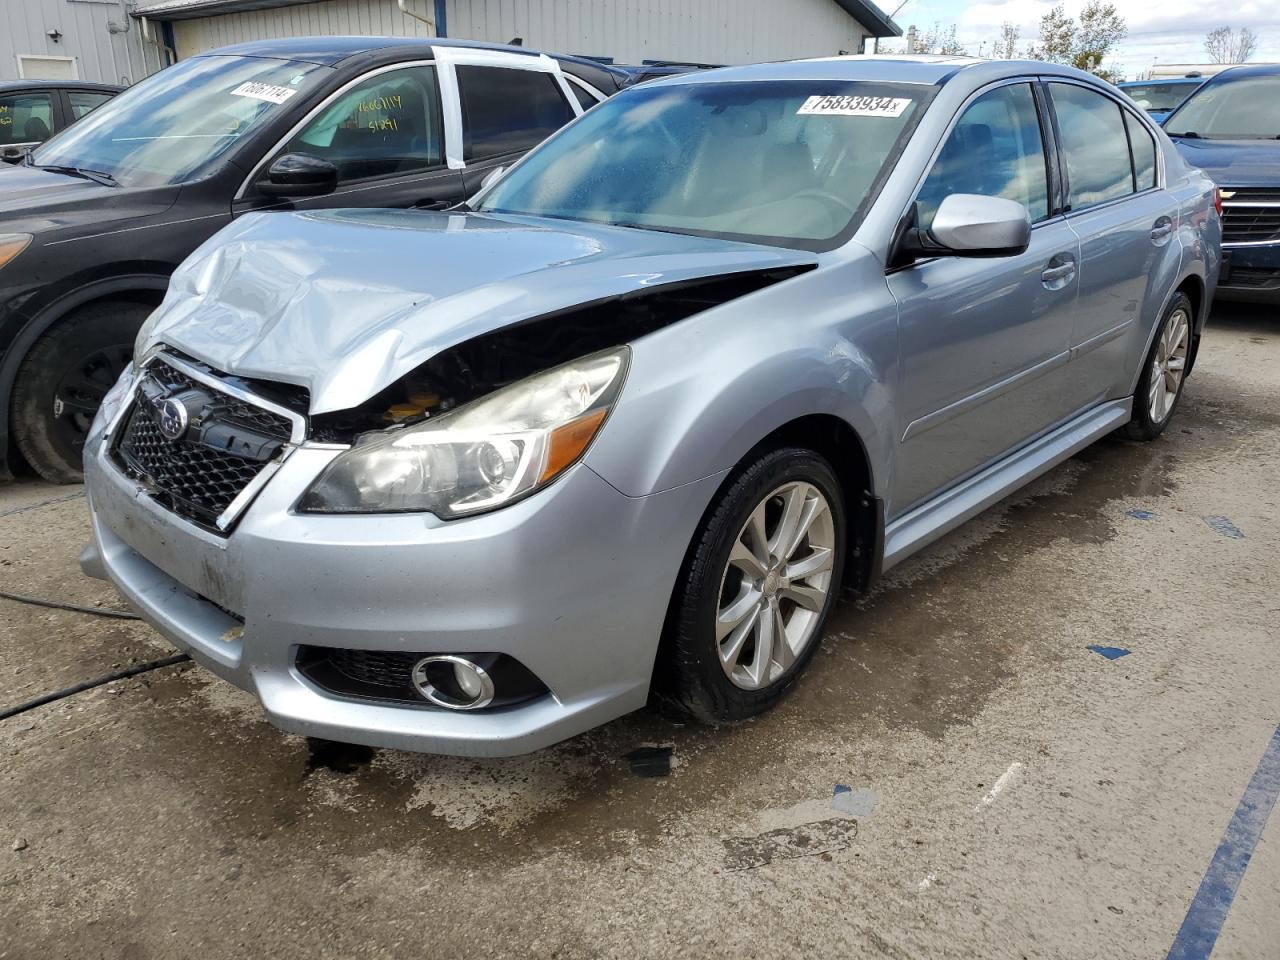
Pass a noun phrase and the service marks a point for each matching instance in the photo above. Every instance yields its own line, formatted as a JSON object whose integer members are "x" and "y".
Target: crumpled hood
{"x": 344, "y": 302}
{"x": 1235, "y": 163}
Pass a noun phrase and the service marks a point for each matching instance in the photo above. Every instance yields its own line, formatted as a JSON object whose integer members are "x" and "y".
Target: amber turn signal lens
{"x": 11, "y": 245}
{"x": 568, "y": 441}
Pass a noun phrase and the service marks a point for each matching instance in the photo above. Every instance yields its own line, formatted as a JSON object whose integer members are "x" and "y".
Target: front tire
{"x": 62, "y": 381}
{"x": 756, "y": 590}
{"x": 1163, "y": 373}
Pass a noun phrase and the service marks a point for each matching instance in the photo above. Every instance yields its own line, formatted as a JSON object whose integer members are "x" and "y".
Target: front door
{"x": 386, "y": 137}
{"x": 984, "y": 342}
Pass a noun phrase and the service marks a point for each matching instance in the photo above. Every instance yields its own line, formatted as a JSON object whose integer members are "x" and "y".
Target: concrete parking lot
{"x": 958, "y": 775}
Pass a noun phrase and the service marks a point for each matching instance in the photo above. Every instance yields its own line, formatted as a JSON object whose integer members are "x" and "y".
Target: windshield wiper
{"x": 97, "y": 176}
{"x": 1189, "y": 135}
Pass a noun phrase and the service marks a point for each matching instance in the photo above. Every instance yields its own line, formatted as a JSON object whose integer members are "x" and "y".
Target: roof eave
{"x": 877, "y": 22}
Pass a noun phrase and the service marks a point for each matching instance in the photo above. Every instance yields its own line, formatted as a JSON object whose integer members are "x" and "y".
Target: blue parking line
{"x": 1208, "y": 911}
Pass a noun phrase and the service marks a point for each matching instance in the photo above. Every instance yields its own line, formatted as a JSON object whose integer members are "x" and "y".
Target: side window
{"x": 1095, "y": 147}
{"x": 1144, "y": 154}
{"x": 388, "y": 124}
{"x": 995, "y": 150}
{"x": 585, "y": 99}
{"x": 85, "y": 101}
{"x": 25, "y": 118}
{"x": 506, "y": 111}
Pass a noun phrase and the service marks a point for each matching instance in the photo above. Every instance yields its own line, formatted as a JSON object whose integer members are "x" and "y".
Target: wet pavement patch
{"x": 650, "y": 761}
{"x": 821, "y": 838}
{"x": 1111, "y": 653}
{"x": 338, "y": 757}
{"x": 1225, "y": 527}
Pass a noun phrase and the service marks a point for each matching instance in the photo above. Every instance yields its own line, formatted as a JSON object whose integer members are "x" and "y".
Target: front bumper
{"x": 1250, "y": 273}
{"x": 573, "y": 582}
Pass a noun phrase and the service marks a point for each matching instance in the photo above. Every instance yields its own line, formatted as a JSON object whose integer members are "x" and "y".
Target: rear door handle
{"x": 1060, "y": 271}
{"x": 1162, "y": 230}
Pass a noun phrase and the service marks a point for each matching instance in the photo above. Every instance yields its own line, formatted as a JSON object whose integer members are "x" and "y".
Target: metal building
{"x": 123, "y": 40}
{"x": 75, "y": 40}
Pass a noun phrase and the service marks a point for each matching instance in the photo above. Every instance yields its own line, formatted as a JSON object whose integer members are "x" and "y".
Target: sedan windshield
{"x": 1225, "y": 109}
{"x": 175, "y": 125}
{"x": 791, "y": 163}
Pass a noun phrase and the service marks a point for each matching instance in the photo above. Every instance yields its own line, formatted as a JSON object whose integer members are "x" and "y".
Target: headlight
{"x": 482, "y": 455}
{"x": 12, "y": 244}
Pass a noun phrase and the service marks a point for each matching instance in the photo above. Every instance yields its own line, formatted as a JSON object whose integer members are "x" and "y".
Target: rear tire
{"x": 1163, "y": 372}
{"x": 62, "y": 381}
{"x": 756, "y": 589}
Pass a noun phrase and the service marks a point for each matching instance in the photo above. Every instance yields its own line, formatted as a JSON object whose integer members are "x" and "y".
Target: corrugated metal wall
{"x": 372, "y": 18}
{"x": 100, "y": 55}
{"x": 703, "y": 31}
{"x": 706, "y": 31}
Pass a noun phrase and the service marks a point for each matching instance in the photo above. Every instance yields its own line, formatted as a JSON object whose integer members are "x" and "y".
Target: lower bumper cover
{"x": 573, "y": 582}
{"x": 1251, "y": 274}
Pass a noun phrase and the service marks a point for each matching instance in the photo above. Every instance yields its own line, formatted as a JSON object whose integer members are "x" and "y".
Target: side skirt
{"x": 929, "y": 521}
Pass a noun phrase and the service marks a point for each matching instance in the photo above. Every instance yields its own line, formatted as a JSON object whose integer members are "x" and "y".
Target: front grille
{"x": 1242, "y": 223}
{"x": 1251, "y": 195}
{"x": 192, "y": 479}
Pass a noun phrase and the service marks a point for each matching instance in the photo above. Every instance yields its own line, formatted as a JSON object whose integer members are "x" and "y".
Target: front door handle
{"x": 1162, "y": 231}
{"x": 1059, "y": 272}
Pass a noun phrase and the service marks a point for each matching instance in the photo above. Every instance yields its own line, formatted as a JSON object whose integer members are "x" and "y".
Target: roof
{"x": 9, "y": 86}
{"x": 875, "y": 68}
{"x": 1247, "y": 70}
{"x": 1163, "y": 82}
{"x": 877, "y": 22}
{"x": 330, "y": 50}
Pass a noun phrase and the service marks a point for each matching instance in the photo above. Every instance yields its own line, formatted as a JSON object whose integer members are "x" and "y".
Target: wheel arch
{"x": 136, "y": 288}
{"x": 1193, "y": 286}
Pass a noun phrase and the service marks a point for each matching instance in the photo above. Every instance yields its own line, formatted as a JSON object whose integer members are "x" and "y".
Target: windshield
{"x": 1159, "y": 97}
{"x": 790, "y": 163}
{"x": 1244, "y": 109}
{"x": 176, "y": 124}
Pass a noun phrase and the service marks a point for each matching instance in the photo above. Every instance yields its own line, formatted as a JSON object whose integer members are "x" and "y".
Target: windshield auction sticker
{"x": 854, "y": 106}
{"x": 263, "y": 91}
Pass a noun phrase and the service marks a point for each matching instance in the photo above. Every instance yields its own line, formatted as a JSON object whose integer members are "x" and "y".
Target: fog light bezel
{"x": 432, "y": 689}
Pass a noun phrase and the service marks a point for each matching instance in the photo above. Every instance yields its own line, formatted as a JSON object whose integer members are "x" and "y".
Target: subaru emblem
{"x": 173, "y": 418}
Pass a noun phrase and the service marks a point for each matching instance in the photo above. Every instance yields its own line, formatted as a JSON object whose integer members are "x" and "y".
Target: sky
{"x": 1170, "y": 31}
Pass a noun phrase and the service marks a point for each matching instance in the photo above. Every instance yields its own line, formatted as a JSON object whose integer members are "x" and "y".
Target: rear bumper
{"x": 573, "y": 583}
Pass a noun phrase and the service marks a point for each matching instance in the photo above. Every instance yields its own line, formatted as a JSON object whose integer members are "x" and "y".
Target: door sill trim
{"x": 924, "y": 524}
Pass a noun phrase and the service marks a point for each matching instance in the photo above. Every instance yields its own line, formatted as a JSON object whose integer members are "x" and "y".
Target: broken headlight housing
{"x": 485, "y": 454}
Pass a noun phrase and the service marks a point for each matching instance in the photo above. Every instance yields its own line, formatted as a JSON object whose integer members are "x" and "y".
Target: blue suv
{"x": 1230, "y": 128}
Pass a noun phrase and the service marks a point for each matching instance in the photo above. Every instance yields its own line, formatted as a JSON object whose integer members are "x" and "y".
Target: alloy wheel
{"x": 775, "y": 585}
{"x": 1168, "y": 365}
{"x": 80, "y": 392}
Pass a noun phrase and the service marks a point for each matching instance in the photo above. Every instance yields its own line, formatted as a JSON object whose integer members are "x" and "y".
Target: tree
{"x": 937, "y": 39}
{"x": 1085, "y": 45}
{"x": 1006, "y": 45}
{"x": 1224, "y": 45}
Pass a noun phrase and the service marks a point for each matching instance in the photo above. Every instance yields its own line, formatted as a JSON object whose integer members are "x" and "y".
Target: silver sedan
{"x": 623, "y": 426}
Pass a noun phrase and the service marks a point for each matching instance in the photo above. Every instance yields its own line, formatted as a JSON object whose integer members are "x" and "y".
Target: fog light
{"x": 455, "y": 683}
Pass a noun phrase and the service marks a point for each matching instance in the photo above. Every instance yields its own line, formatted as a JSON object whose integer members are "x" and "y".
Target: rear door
{"x": 1126, "y": 228}
{"x": 507, "y": 104}
{"x": 984, "y": 342}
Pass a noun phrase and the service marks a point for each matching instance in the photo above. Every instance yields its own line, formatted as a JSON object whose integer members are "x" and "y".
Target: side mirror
{"x": 299, "y": 175}
{"x": 492, "y": 177}
{"x": 970, "y": 225}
